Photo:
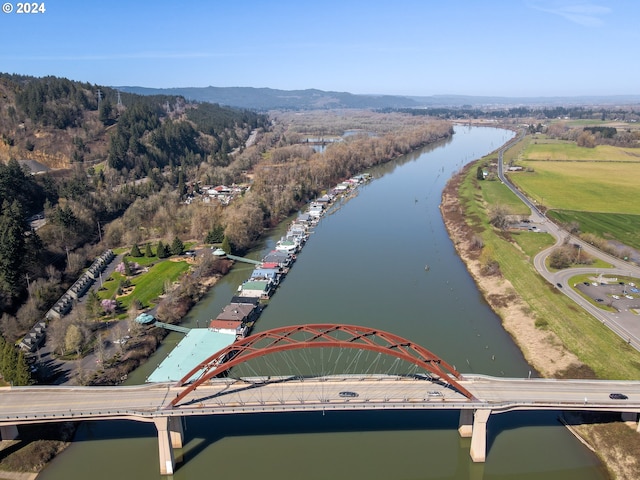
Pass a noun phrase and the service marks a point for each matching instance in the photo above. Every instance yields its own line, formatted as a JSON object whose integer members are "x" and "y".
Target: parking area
{"x": 613, "y": 293}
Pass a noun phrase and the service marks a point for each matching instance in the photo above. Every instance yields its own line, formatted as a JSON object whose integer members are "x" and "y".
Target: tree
{"x": 12, "y": 249}
{"x": 135, "y": 251}
{"x": 92, "y": 304}
{"x": 226, "y": 246}
{"x": 162, "y": 251}
{"x": 177, "y": 247}
{"x": 73, "y": 339}
{"x": 499, "y": 216}
{"x": 147, "y": 251}
{"x": 21, "y": 376}
{"x": 216, "y": 235}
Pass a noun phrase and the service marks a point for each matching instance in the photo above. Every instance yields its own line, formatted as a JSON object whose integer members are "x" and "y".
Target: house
{"x": 232, "y": 327}
{"x": 256, "y": 288}
{"x": 239, "y": 312}
{"x": 282, "y": 259}
{"x": 265, "y": 273}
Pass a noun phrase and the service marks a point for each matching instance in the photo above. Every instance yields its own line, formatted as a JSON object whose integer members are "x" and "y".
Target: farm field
{"x": 558, "y": 150}
{"x": 560, "y": 175}
{"x": 622, "y": 227}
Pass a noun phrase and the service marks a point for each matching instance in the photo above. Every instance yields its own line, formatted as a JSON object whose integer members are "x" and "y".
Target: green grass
{"x": 592, "y": 186}
{"x": 594, "y": 344}
{"x": 496, "y": 193}
{"x": 533, "y": 243}
{"x": 622, "y": 227}
{"x": 570, "y": 151}
{"x": 148, "y": 286}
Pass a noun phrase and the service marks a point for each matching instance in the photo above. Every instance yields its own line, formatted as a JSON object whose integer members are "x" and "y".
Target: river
{"x": 365, "y": 265}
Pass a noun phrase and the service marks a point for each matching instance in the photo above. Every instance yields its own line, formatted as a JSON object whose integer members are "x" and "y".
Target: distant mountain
{"x": 314, "y": 99}
{"x": 489, "y": 101}
{"x": 273, "y": 99}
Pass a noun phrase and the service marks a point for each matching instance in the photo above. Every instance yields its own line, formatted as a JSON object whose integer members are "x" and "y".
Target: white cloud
{"x": 586, "y": 14}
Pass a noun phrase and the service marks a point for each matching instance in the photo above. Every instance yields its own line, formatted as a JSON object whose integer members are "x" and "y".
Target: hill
{"x": 272, "y": 99}
{"x": 264, "y": 99}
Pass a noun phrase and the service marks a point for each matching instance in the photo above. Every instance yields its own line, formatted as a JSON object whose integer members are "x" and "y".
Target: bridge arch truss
{"x": 319, "y": 336}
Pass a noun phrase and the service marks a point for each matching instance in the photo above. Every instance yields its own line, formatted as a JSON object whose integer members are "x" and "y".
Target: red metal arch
{"x": 319, "y": 336}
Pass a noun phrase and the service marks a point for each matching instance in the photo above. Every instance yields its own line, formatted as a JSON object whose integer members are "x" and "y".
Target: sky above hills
{"x": 405, "y": 47}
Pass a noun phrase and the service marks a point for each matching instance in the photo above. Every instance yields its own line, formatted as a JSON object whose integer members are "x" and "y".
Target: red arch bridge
{"x": 206, "y": 390}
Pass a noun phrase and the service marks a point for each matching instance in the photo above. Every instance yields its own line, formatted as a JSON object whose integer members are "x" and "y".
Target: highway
{"x": 20, "y": 405}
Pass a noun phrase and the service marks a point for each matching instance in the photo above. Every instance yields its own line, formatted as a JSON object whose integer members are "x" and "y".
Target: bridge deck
{"x": 222, "y": 396}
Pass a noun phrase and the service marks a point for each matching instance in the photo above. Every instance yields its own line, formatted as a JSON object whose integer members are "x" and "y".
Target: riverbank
{"x": 614, "y": 443}
{"x": 542, "y": 349}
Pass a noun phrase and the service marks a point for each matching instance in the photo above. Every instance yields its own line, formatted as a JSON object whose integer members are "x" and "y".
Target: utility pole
{"x": 99, "y": 97}
{"x": 99, "y": 231}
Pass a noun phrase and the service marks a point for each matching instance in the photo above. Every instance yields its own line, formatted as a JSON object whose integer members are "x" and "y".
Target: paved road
{"x": 223, "y": 396}
{"x": 623, "y": 322}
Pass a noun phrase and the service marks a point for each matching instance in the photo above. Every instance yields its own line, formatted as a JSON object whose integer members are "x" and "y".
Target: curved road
{"x": 624, "y": 323}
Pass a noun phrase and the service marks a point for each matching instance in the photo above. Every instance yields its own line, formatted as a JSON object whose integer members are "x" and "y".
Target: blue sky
{"x": 404, "y": 47}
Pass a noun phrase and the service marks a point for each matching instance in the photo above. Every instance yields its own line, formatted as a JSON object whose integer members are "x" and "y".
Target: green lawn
{"x": 148, "y": 286}
{"x": 496, "y": 193}
{"x": 533, "y": 243}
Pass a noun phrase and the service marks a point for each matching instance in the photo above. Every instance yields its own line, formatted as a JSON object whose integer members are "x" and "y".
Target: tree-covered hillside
{"x": 100, "y": 150}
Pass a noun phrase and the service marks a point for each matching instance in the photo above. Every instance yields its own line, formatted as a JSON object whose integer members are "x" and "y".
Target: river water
{"x": 365, "y": 265}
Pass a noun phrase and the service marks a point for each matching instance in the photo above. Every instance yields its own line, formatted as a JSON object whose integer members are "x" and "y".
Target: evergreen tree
{"x": 161, "y": 251}
{"x": 12, "y": 248}
{"x": 226, "y": 246}
{"x": 147, "y": 251}
{"x": 216, "y": 235}
{"x": 22, "y": 376}
{"x": 9, "y": 362}
{"x": 177, "y": 247}
{"x": 135, "y": 251}
{"x": 92, "y": 304}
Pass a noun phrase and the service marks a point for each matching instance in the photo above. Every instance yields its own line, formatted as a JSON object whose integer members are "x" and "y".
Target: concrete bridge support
{"x": 465, "y": 425}
{"x": 479, "y": 435}
{"x": 170, "y": 436}
{"x": 8, "y": 432}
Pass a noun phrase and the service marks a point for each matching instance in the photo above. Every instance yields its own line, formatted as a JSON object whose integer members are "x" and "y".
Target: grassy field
{"x": 496, "y": 193}
{"x": 147, "y": 286}
{"x": 561, "y": 150}
{"x": 588, "y": 186}
{"x": 594, "y": 344}
{"x": 622, "y": 227}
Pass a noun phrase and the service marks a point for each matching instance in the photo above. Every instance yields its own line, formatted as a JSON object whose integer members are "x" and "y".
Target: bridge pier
{"x": 170, "y": 436}
{"x": 8, "y": 432}
{"x": 465, "y": 425}
{"x": 479, "y": 435}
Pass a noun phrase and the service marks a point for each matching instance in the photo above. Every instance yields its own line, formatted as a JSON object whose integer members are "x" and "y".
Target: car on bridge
{"x": 618, "y": 396}
{"x": 348, "y": 394}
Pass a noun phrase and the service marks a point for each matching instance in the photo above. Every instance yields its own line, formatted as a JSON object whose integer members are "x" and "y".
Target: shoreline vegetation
{"x": 614, "y": 443}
